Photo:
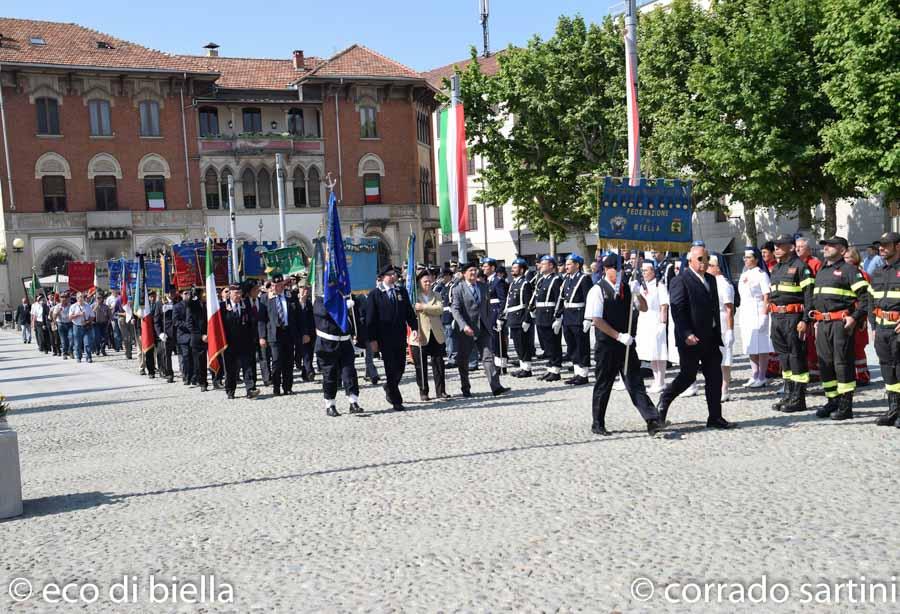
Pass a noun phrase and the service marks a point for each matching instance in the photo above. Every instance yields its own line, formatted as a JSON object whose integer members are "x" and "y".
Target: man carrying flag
{"x": 125, "y": 316}
{"x": 215, "y": 330}
{"x": 146, "y": 310}
{"x": 336, "y": 322}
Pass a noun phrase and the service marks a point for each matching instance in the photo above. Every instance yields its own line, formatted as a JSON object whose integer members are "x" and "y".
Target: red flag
{"x": 81, "y": 275}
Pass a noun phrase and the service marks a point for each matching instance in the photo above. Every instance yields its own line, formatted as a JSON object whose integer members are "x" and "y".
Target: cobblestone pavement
{"x": 478, "y": 504}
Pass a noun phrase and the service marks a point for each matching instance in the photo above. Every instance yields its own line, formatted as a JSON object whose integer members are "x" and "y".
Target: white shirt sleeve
{"x": 663, "y": 294}
{"x": 594, "y": 306}
{"x": 728, "y": 298}
{"x": 764, "y": 283}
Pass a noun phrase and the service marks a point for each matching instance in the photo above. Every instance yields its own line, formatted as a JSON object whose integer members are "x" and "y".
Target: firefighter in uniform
{"x": 336, "y": 356}
{"x": 790, "y": 301}
{"x": 497, "y": 290}
{"x": 885, "y": 318}
{"x": 571, "y": 310}
{"x": 840, "y": 298}
{"x": 518, "y": 317}
{"x": 549, "y": 330}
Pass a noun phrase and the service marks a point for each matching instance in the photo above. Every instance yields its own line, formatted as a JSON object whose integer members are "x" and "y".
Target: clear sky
{"x": 422, "y": 34}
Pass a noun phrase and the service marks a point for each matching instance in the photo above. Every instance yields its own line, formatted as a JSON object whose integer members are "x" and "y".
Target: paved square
{"x": 476, "y": 504}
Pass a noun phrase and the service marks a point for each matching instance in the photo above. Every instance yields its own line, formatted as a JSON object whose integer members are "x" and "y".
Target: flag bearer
{"x": 885, "y": 291}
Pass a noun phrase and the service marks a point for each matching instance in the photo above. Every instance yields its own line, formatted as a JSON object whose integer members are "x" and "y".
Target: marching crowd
{"x": 809, "y": 318}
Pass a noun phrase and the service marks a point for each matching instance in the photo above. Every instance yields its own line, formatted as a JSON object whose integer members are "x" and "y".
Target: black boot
{"x": 829, "y": 408}
{"x": 801, "y": 396}
{"x": 785, "y": 400}
{"x": 893, "y": 412}
{"x": 845, "y": 407}
{"x": 332, "y": 412}
{"x": 792, "y": 398}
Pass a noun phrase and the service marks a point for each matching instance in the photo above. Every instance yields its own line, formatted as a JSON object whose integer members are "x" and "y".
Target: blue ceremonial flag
{"x": 652, "y": 215}
{"x": 337, "y": 275}
{"x": 411, "y": 268}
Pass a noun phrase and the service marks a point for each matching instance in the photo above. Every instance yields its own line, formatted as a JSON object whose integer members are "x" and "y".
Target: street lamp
{"x": 18, "y": 245}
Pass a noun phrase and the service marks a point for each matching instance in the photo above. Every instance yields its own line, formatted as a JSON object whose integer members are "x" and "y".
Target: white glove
{"x": 728, "y": 338}
{"x": 498, "y": 326}
{"x": 635, "y": 286}
{"x": 350, "y": 303}
{"x": 586, "y": 325}
{"x": 556, "y": 326}
{"x": 163, "y": 336}
{"x": 526, "y": 326}
{"x": 625, "y": 339}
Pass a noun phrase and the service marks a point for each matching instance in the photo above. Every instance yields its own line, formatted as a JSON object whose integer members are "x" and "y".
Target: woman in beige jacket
{"x": 430, "y": 339}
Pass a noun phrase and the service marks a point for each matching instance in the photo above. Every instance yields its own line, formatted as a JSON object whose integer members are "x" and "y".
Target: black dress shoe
{"x": 719, "y": 423}
{"x": 424, "y": 397}
{"x": 170, "y": 380}
{"x": 500, "y": 390}
{"x": 578, "y": 380}
{"x": 276, "y": 393}
{"x": 599, "y": 429}
{"x": 466, "y": 394}
{"x": 444, "y": 395}
{"x": 552, "y": 377}
{"x": 374, "y": 381}
{"x": 653, "y": 427}
{"x": 267, "y": 382}
{"x": 355, "y": 408}
{"x": 253, "y": 393}
{"x": 332, "y": 411}
{"x": 399, "y": 407}
{"x": 522, "y": 374}
{"x": 230, "y": 395}
{"x": 204, "y": 388}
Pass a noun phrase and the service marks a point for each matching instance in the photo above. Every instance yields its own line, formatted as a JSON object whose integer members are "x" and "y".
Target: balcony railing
{"x": 260, "y": 143}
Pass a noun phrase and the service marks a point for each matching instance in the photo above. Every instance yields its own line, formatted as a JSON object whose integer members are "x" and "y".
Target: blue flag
{"x": 411, "y": 285}
{"x": 337, "y": 276}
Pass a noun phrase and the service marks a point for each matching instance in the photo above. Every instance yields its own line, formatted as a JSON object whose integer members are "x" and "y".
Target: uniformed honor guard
{"x": 240, "y": 333}
{"x": 388, "y": 313}
{"x": 790, "y": 301}
{"x": 518, "y": 316}
{"x": 195, "y": 325}
{"x": 885, "y": 318}
{"x": 336, "y": 356}
{"x": 840, "y": 299}
{"x": 164, "y": 325}
{"x": 183, "y": 337}
{"x": 571, "y": 311}
{"x": 282, "y": 328}
{"x": 549, "y": 330}
{"x": 497, "y": 291}
{"x": 609, "y": 305}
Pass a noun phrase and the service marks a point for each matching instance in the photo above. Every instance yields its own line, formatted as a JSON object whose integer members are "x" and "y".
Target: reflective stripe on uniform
{"x": 324, "y": 335}
{"x": 892, "y": 387}
{"x": 884, "y": 293}
{"x": 514, "y": 309}
{"x": 845, "y": 387}
{"x": 801, "y": 378}
{"x": 837, "y": 291}
{"x": 788, "y": 288}
{"x": 494, "y": 301}
{"x": 807, "y": 282}
{"x": 573, "y": 305}
{"x": 545, "y": 304}
{"x": 831, "y": 384}
{"x": 886, "y": 322}
{"x": 860, "y": 284}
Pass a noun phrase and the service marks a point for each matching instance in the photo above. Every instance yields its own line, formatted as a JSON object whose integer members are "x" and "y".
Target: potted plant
{"x": 10, "y": 471}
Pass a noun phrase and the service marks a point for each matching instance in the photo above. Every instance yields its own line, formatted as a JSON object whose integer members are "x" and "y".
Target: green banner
{"x": 287, "y": 261}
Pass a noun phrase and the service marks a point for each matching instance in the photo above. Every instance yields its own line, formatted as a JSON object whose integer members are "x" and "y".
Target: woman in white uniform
{"x": 753, "y": 316}
{"x": 650, "y": 338}
{"x": 726, "y": 316}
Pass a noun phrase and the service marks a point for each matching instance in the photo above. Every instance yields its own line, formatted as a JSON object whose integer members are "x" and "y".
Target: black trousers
{"x": 282, "y": 366}
{"x": 609, "y": 361}
{"x": 481, "y": 343}
{"x": 54, "y": 342}
{"x": 579, "y": 343}
{"x": 186, "y": 356}
{"x": 235, "y": 359}
{"x": 436, "y": 351}
{"x": 150, "y": 359}
{"x": 552, "y": 344}
{"x": 303, "y": 358}
{"x": 394, "y": 359}
{"x": 198, "y": 362}
{"x": 500, "y": 342}
{"x": 43, "y": 337}
{"x": 524, "y": 349}
{"x": 371, "y": 369}
{"x": 339, "y": 368}
{"x": 263, "y": 359}
{"x": 694, "y": 358}
{"x": 837, "y": 363}
{"x": 887, "y": 346}
{"x": 791, "y": 351}
{"x": 164, "y": 351}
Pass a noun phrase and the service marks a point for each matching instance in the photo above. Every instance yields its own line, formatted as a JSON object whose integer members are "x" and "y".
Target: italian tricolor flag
{"x": 452, "y": 175}
{"x": 215, "y": 330}
{"x": 373, "y": 190}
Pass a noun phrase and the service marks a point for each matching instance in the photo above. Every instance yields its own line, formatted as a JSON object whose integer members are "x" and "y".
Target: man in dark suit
{"x": 183, "y": 337}
{"x": 470, "y": 306}
{"x": 306, "y": 342}
{"x": 23, "y": 319}
{"x": 282, "y": 329}
{"x": 694, "y": 304}
{"x": 261, "y": 317}
{"x": 388, "y": 313}
{"x": 237, "y": 320}
{"x": 164, "y": 325}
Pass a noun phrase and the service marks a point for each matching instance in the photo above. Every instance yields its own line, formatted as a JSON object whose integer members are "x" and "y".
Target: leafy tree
{"x": 565, "y": 99}
{"x": 860, "y": 49}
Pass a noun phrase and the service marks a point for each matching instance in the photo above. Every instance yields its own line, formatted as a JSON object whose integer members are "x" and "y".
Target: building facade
{"x": 111, "y": 148}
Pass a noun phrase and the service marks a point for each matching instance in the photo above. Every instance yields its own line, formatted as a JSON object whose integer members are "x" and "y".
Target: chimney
{"x": 212, "y": 50}
{"x": 298, "y": 59}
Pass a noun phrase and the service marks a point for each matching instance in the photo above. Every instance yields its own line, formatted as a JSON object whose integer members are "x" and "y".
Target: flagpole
{"x": 631, "y": 93}
{"x": 460, "y": 235}
{"x": 234, "y": 254}
{"x": 415, "y": 281}
{"x": 279, "y": 172}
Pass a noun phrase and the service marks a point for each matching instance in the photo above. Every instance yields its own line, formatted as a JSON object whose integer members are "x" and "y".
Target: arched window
{"x": 211, "y": 188}
{"x": 295, "y": 122}
{"x": 264, "y": 189}
{"x": 425, "y": 185}
{"x": 223, "y": 187}
{"x": 299, "y": 188}
{"x": 56, "y": 261}
{"x": 248, "y": 182}
{"x": 315, "y": 196}
{"x": 209, "y": 121}
{"x": 384, "y": 254}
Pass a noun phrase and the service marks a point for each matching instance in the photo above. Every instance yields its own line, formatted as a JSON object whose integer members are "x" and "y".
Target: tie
{"x": 280, "y": 310}
{"x": 393, "y": 297}
{"x": 477, "y": 296}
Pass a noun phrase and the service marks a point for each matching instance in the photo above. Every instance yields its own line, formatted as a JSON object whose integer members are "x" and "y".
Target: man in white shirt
{"x": 40, "y": 314}
{"x": 607, "y": 311}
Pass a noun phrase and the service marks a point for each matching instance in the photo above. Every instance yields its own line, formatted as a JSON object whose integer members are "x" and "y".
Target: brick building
{"x": 109, "y": 147}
